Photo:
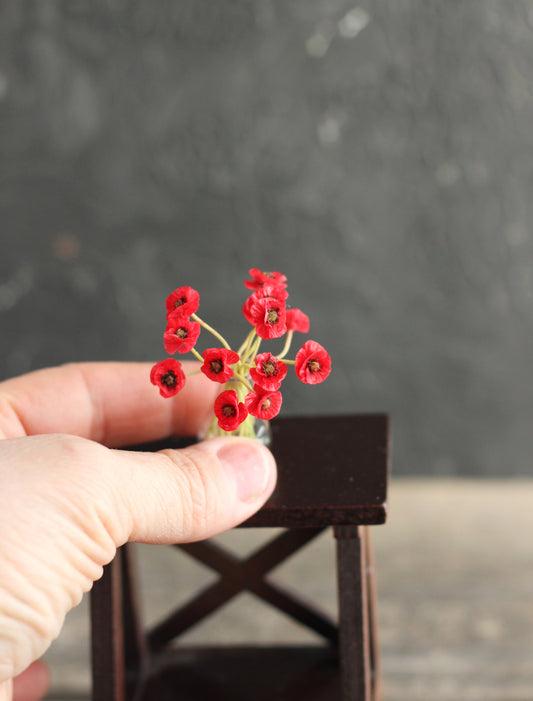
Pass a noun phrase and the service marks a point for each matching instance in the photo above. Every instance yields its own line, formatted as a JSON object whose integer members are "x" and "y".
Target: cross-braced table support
{"x": 248, "y": 575}
{"x": 339, "y": 480}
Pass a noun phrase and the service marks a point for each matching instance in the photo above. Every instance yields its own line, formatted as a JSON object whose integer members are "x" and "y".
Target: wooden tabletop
{"x": 332, "y": 470}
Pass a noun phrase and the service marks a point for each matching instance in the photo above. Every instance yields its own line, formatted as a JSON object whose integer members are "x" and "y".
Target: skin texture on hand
{"x": 69, "y": 497}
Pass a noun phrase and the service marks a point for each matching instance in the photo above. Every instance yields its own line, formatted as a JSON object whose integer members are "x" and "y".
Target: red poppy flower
{"x": 268, "y": 372}
{"x": 273, "y": 291}
{"x": 184, "y": 299}
{"x": 268, "y": 315}
{"x": 217, "y": 363}
{"x": 229, "y": 411}
{"x": 297, "y": 321}
{"x": 263, "y": 404}
{"x": 261, "y": 278}
{"x": 313, "y": 363}
{"x": 168, "y": 376}
{"x": 181, "y": 334}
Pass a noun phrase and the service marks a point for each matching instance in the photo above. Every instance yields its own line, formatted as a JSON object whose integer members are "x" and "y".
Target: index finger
{"x": 112, "y": 403}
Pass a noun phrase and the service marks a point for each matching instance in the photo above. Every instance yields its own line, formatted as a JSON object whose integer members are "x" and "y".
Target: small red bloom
{"x": 297, "y": 321}
{"x": 276, "y": 292}
{"x": 313, "y": 363}
{"x": 261, "y": 278}
{"x": 168, "y": 376}
{"x": 268, "y": 372}
{"x": 217, "y": 363}
{"x": 181, "y": 334}
{"x": 263, "y": 404}
{"x": 229, "y": 411}
{"x": 268, "y": 315}
{"x": 184, "y": 299}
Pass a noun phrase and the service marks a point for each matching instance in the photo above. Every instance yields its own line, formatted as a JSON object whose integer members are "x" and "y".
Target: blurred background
{"x": 380, "y": 154}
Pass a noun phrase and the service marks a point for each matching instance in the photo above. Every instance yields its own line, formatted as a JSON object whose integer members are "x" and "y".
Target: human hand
{"x": 69, "y": 498}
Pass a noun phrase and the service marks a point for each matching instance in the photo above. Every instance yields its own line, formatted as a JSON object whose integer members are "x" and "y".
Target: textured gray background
{"x": 381, "y": 155}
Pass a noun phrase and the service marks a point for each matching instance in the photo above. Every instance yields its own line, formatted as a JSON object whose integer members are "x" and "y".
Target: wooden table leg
{"x": 354, "y": 635}
{"x": 135, "y": 644}
{"x": 118, "y": 644}
{"x": 108, "y": 660}
{"x": 375, "y": 655}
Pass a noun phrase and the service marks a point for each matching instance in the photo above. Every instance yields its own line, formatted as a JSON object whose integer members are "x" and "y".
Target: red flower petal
{"x": 263, "y": 404}
{"x": 297, "y": 321}
{"x": 313, "y": 363}
{"x": 246, "y": 310}
{"x": 268, "y": 372}
{"x": 181, "y": 334}
{"x": 168, "y": 376}
{"x": 229, "y": 411}
{"x": 217, "y": 362}
{"x": 184, "y": 299}
{"x": 261, "y": 278}
{"x": 269, "y": 317}
{"x": 271, "y": 290}
{"x": 276, "y": 292}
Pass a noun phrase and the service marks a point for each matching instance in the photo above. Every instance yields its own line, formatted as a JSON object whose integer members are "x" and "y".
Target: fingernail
{"x": 248, "y": 464}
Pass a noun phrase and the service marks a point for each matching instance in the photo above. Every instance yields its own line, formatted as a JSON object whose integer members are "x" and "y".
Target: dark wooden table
{"x": 332, "y": 472}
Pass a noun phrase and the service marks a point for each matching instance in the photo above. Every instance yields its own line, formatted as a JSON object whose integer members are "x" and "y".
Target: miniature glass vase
{"x": 258, "y": 429}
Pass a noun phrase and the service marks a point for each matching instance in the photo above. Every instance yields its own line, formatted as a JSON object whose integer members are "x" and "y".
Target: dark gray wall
{"x": 381, "y": 155}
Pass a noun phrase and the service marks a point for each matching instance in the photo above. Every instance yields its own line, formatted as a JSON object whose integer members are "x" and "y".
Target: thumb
{"x": 190, "y": 494}
{"x": 67, "y": 502}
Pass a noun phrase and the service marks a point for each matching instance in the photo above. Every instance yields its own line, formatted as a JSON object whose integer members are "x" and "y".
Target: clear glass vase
{"x": 250, "y": 428}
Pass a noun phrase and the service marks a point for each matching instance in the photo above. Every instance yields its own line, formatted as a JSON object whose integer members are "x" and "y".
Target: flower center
{"x": 270, "y": 368}
{"x": 266, "y": 404}
{"x": 229, "y": 410}
{"x": 313, "y": 365}
{"x": 179, "y": 302}
{"x": 216, "y": 366}
{"x": 272, "y": 316}
{"x": 181, "y": 333}
{"x": 169, "y": 379}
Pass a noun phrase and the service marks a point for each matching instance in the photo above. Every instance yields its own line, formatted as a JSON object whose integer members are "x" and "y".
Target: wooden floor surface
{"x": 455, "y": 582}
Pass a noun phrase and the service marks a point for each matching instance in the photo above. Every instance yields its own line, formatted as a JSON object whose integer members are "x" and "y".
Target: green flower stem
{"x": 250, "y": 352}
{"x": 254, "y": 349}
{"x": 211, "y": 330}
{"x": 246, "y": 345}
{"x": 214, "y": 429}
{"x": 247, "y": 428}
{"x": 286, "y": 346}
{"x": 240, "y": 389}
{"x": 240, "y": 378}
{"x": 290, "y": 362}
{"x": 197, "y": 355}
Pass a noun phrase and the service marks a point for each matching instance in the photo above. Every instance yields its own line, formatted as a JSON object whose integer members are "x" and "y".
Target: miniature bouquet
{"x": 251, "y": 379}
